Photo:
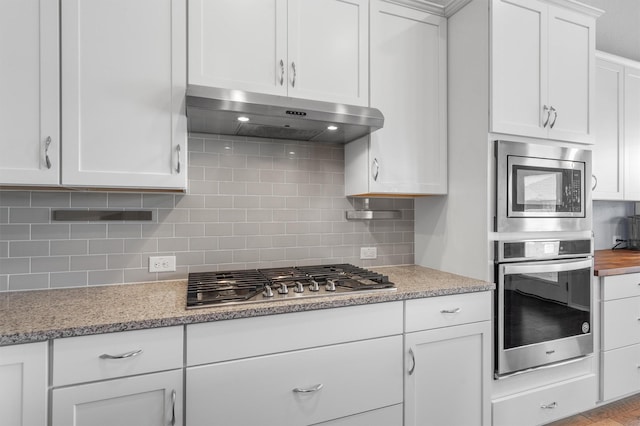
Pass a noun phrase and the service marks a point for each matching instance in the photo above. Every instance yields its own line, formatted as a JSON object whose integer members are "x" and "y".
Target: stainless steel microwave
{"x": 542, "y": 188}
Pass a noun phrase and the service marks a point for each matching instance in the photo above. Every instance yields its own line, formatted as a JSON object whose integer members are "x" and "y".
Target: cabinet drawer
{"x": 619, "y": 286}
{"x": 620, "y": 323}
{"x": 444, "y": 311}
{"x": 620, "y": 373}
{"x": 355, "y": 377}
{"x": 241, "y": 338}
{"x": 561, "y": 400}
{"x": 86, "y": 358}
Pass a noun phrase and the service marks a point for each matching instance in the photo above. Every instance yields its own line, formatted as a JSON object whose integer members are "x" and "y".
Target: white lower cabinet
{"x": 448, "y": 369}
{"x": 23, "y": 384}
{"x": 127, "y": 378}
{"x": 300, "y": 387}
{"x": 342, "y": 366}
{"x": 545, "y": 404}
{"x": 620, "y": 339}
{"x": 147, "y": 400}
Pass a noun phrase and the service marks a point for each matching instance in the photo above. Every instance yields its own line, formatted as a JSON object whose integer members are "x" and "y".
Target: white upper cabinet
{"x": 608, "y": 149}
{"x": 123, "y": 85}
{"x": 299, "y": 48}
{"x": 542, "y": 71}
{"x": 409, "y": 85}
{"x": 632, "y": 133}
{"x": 29, "y": 92}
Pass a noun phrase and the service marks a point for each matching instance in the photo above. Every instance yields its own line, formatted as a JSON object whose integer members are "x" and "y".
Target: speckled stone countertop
{"x": 32, "y": 316}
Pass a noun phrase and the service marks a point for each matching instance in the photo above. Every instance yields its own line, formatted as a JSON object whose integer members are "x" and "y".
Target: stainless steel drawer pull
{"x": 295, "y": 74}
{"x": 178, "y": 151}
{"x": 122, "y": 356}
{"x": 173, "y": 407}
{"x": 281, "y": 72}
{"x": 315, "y": 388}
{"x": 546, "y": 109}
{"x": 450, "y": 311}
{"x": 550, "y": 352}
{"x": 595, "y": 182}
{"x": 375, "y": 169}
{"x": 555, "y": 116}
{"x": 413, "y": 358}
{"x": 549, "y": 406}
{"x": 46, "y": 152}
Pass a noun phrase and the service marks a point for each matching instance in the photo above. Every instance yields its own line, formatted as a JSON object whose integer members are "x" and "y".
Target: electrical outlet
{"x": 615, "y": 239}
{"x": 162, "y": 263}
{"x": 368, "y": 252}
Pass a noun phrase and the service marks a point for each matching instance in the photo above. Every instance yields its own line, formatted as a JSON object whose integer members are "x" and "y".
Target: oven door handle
{"x": 547, "y": 266}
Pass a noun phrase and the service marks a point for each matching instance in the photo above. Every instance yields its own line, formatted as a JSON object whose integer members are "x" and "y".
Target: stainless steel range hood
{"x": 214, "y": 110}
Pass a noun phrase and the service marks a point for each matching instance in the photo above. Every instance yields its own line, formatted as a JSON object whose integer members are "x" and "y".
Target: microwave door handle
{"x": 553, "y": 266}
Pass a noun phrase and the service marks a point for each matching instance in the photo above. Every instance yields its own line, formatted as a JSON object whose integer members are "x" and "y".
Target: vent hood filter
{"x": 214, "y": 110}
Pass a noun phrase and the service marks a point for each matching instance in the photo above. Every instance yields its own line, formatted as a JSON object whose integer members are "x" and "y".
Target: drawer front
{"x": 445, "y": 311}
{"x": 619, "y": 286}
{"x": 620, "y": 323}
{"x": 388, "y": 416}
{"x": 544, "y": 405}
{"x": 620, "y": 372}
{"x": 241, "y": 338}
{"x": 106, "y": 356}
{"x": 355, "y": 377}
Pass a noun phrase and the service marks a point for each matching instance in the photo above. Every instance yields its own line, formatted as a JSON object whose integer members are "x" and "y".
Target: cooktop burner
{"x": 266, "y": 285}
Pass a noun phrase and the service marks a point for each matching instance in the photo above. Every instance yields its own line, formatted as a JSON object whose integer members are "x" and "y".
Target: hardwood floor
{"x": 625, "y": 412}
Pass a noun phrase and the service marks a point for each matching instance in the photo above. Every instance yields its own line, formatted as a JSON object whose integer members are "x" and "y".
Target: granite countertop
{"x": 616, "y": 262}
{"x": 32, "y": 316}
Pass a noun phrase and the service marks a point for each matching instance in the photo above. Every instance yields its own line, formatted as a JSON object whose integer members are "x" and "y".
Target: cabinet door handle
{"x": 122, "y": 356}
{"x": 450, "y": 311}
{"x": 555, "y": 116}
{"x": 546, "y": 109}
{"x": 595, "y": 183}
{"x": 312, "y": 389}
{"x": 549, "y": 406}
{"x": 375, "y": 169}
{"x": 47, "y": 161}
{"x": 413, "y": 360}
{"x": 178, "y": 166}
{"x": 293, "y": 79}
{"x": 173, "y": 407}
{"x": 281, "y": 72}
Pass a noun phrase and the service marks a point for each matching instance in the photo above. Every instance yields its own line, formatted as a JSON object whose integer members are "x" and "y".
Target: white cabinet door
{"x": 542, "y": 66}
{"x": 123, "y": 87}
{"x": 239, "y": 44}
{"x": 447, "y": 376}
{"x": 23, "y": 384}
{"x": 571, "y": 80}
{"x": 609, "y": 146}
{"x": 295, "y": 388}
{"x": 147, "y": 400}
{"x": 632, "y": 134}
{"x": 328, "y": 50}
{"x": 519, "y": 67}
{"x": 29, "y": 92}
{"x": 408, "y": 84}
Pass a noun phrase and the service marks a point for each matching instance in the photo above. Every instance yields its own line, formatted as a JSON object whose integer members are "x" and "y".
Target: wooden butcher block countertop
{"x": 616, "y": 262}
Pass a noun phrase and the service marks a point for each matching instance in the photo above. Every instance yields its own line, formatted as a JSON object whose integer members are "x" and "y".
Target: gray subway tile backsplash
{"x": 251, "y": 203}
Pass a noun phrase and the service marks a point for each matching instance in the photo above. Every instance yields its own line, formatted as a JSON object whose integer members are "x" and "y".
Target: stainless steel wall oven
{"x": 543, "y": 302}
{"x": 542, "y": 188}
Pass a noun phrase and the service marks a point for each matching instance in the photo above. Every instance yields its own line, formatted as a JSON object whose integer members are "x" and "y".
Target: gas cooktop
{"x": 206, "y": 289}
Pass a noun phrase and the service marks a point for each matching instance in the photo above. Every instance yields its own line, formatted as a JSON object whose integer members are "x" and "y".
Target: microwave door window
{"x": 541, "y": 307}
{"x": 537, "y": 190}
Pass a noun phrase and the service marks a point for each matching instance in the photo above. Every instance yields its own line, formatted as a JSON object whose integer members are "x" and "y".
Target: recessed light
{"x": 243, "y": 119}
{"x": 332, "y": 127}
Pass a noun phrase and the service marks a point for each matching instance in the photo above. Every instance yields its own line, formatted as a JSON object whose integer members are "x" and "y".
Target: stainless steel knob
{"x": 283, "y": 289}
{"x": 331, "y": 285}
{"x": 314, "y": 286}
{"x": 267, "y": 291}
{"x": 299, "y": 287}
